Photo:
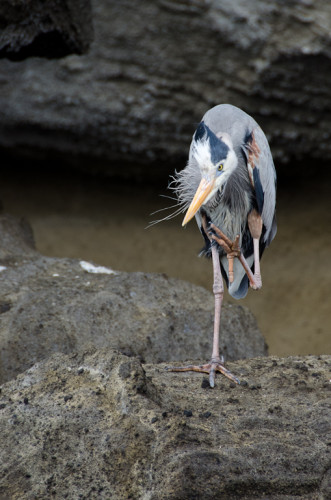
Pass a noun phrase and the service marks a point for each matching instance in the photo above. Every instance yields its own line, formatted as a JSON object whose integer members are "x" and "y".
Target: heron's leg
{"x": 216, "y": 363}
{"x": 218, "y": 290}
{"x": 255, "y": 227}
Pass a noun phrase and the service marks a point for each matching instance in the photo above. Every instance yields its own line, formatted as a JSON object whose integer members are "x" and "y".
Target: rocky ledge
{"x": 101, "y": 425}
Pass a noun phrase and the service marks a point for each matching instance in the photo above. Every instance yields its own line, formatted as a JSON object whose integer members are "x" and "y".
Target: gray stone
{"x": 154, "y": 68}
{"x": 49, "y": 305}
{"x": 100, "y": 425}
{"x": 17, "y": 239}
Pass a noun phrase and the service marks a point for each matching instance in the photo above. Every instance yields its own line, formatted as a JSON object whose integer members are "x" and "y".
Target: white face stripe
{"x": 202, "y": 155}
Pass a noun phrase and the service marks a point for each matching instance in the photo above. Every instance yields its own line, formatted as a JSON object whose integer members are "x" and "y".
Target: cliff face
{"x": 154, "y": 68}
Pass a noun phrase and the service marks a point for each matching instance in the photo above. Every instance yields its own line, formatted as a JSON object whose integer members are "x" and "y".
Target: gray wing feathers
{"x": 267, "y": 173}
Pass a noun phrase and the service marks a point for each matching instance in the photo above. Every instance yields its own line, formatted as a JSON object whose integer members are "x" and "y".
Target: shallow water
{"x": 76, "y": 215}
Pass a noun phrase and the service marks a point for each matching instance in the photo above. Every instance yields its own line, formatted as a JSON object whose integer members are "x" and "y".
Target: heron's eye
{"x": 220, "y": 167}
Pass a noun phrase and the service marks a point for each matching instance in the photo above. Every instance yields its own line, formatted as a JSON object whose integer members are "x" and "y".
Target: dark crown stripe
{"x": 218, "y": 149}
{"x": 200, "y": 132}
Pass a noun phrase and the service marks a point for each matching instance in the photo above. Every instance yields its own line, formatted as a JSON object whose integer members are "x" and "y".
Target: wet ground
{"x": 105, "y": 221}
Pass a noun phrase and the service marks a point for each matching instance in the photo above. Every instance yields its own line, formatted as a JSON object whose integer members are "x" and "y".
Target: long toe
{"x": 210, "y": 368}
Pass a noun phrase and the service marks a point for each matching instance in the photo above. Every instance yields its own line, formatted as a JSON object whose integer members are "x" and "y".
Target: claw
{"x": 212, "y": 376}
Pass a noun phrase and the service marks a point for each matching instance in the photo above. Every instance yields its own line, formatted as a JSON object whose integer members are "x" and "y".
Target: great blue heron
{"x": 229, "y": 185}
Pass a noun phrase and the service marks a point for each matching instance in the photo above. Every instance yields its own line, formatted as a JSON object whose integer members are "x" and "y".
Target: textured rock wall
{"x": 153, "y": 70}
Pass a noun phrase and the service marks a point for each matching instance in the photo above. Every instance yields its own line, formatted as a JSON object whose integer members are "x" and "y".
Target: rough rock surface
{"x": 44, "y": 29}
{"x": 17, "y": 239}
{"x": 101, "y": 425}
{"x": 155, "y": 67}
{"x": 49, "y": 305}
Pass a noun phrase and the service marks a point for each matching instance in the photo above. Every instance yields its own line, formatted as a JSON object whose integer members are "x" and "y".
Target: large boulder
{"x": 154, "y": 68}
{"x": 100, "y": 425}
{"x": 49, "y": 305}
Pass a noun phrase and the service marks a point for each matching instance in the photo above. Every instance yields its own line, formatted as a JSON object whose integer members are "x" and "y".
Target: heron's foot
{"x": 215, "y": 365}
{"x": 213, "y": 232}
{"x": 231, "y": 248}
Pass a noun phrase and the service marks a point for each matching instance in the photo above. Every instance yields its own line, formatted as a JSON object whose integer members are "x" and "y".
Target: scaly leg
{"x": 255, "y": 227}
{"x": 216, "y": 363}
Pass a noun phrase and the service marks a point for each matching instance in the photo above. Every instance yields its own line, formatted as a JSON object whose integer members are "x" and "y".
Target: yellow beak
{"x": 204, "y": 189}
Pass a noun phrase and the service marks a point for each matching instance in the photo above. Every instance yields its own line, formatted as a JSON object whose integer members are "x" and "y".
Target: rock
{"x": 49, "y": 305}
{"x": 101, "y": 425}
{"x": 44, "y": 29}
{"x": 17, "y": 239}
{"x": 153, "y": 70}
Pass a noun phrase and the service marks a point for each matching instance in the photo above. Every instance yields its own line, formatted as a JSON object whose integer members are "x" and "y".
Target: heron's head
{"x": 216, "y": 160}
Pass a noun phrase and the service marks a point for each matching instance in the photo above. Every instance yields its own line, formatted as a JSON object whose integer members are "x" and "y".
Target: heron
{"x": 229, "y": 186}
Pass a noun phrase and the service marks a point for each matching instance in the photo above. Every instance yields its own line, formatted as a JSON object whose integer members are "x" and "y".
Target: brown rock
{"x": 99, "y": 425}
